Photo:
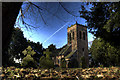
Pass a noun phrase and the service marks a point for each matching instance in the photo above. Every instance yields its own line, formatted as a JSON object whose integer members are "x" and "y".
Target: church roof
{"x": 63, "y": 51}
{"x": 70, "y": 54}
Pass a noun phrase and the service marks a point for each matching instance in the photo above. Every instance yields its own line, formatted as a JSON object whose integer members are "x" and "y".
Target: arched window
{"x": 73, "y": 35}
{"x": 84, "y": 35}
{"x": 80, "y": 34}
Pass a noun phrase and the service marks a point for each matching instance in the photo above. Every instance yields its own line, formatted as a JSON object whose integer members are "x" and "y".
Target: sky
{"x": 52, "y": 22}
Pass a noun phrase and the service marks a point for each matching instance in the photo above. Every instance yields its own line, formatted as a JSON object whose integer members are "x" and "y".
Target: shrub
{"x": 46, "y": 61}
{"x": 28, "y": 61}
{"x": 83, "y": 62}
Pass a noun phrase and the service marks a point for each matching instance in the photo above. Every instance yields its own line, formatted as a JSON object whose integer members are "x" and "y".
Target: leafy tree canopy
{"x": 18, "y": 43}
{"x": 52, "y": 48}
{"x": 103, "y": 20}
{"x": 104, "y": 54}
{"x": 47, "y": 53}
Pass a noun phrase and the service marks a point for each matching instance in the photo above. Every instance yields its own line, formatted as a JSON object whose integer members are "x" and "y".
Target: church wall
{"x": 73, "y": 41}
{"x": 78, "y": 44}
{"x": 82, "y": 44}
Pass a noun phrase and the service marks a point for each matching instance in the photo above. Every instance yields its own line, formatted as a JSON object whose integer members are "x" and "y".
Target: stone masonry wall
{"x": 78, "y": 44}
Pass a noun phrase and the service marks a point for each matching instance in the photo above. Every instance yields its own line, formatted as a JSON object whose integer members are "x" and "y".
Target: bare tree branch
{"x": 39, "y": 9}
{"x": 54, "y": 14}
{"x": 67, "y": 10}
{"x": 22, "y": 17}
{"x": 42, "y": 17}
{"x": 36, "y": 6}
{"x": 47, "y": 11}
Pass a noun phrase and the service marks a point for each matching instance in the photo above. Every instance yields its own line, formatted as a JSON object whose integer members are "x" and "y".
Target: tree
{"x": 28, "y": 61}
{"x": 7, "y": 60}
{"x": 46, "y": 61}
{"x": 37, "y": 47}
{"x": 52, "y": 48}
{"x": 103, "y": 20}
{"x": 17, "y": 44}
{"x": 104, "y": 54}
{"x": 91, "y": 61}
{"x": 10, "y": 12}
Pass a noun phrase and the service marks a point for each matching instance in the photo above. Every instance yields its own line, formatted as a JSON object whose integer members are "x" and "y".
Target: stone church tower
{"x": 76, "y": 48}
{"x": 77, "y": 38}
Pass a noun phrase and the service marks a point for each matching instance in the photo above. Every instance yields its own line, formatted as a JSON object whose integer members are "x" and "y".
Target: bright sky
{"x": 55, "y": 29}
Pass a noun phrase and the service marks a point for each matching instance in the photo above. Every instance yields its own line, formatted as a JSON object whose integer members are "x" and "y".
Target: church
{"x": 76, "y": 48}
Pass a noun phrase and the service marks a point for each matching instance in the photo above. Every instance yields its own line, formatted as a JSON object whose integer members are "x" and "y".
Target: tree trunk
{"x": 10, "y": 12}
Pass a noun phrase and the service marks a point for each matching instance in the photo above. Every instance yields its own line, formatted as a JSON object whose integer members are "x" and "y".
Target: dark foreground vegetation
{"x": 105, "y": 73}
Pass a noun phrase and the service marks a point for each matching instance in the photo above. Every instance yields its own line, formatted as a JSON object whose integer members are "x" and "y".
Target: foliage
{"x": 17, "y": 44}
{"x": 52, "y": 48}
{"x": 8, "y": 60}
{"x": 29, "y": 51}
{"x": 103, "y": 20}
{"x": 47, "y": 53}
{"x": 37, "y": 47}
{"x": 104, "y": 54}
{"x": 46, "y": 61}
{"x": 83, "y": 62}
{"x": 28, "y": 61}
